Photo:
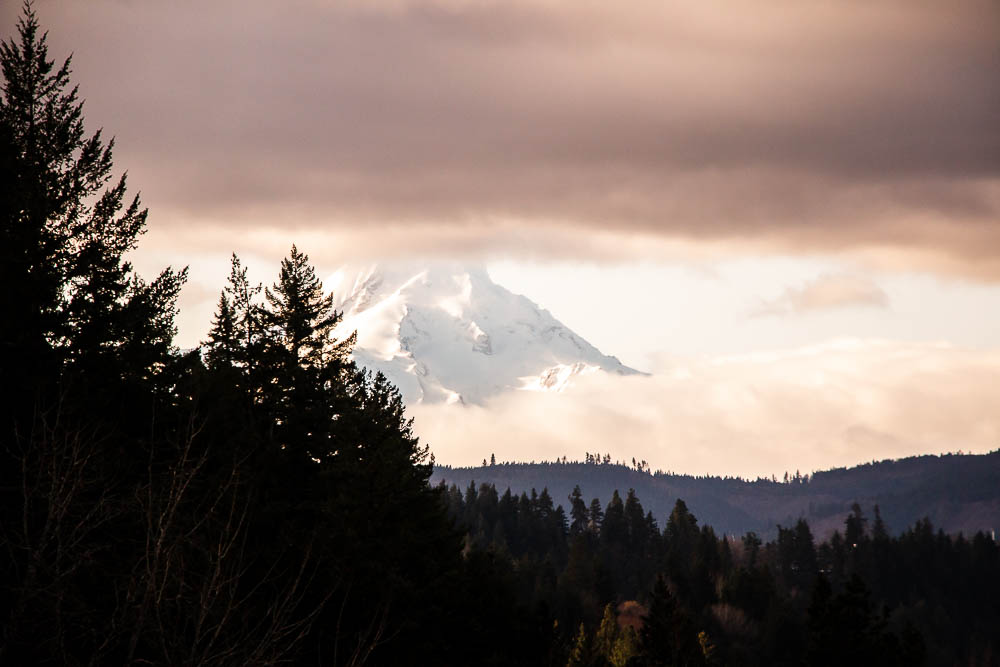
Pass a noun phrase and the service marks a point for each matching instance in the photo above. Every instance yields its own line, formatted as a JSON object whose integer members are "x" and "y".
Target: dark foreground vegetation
{"x": 262, "y": 500}
{"x": 618, "y": 586}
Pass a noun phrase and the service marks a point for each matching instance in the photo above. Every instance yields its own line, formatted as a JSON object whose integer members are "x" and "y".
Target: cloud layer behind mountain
{"x": 809, "y": 409}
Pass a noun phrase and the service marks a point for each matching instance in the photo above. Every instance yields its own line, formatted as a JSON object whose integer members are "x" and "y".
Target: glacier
{"x": 445, "y": 333}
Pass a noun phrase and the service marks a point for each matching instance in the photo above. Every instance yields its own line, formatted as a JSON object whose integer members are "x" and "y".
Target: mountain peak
{"x": 448, "y": 333}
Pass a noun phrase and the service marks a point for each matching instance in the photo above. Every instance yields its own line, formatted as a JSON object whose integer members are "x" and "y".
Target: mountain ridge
{"x": 957, "y": 492}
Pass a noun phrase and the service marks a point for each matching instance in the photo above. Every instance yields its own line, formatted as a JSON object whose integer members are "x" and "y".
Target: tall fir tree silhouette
{"x": 66, "y": 228}
{"x": 307, "y": 363}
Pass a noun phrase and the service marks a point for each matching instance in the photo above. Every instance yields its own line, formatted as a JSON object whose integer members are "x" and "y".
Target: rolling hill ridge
{"x": 957, "y": 492}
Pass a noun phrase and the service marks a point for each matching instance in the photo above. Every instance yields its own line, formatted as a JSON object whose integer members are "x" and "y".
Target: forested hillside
{"x": 957, "y": 492}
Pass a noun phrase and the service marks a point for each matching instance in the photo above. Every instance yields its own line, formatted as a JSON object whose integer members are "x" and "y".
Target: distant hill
{"x": 958, "y": 492}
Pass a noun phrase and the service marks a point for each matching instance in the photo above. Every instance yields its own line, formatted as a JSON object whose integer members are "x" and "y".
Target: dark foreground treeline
{"x": 261, "y": 500}
{"x": 862, "y": 597}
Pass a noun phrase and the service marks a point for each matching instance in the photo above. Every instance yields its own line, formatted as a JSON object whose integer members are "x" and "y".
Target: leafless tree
{"x": 63, "y": 503}
{"x": 188, "y": 597}
{"x": 189, "y": 592}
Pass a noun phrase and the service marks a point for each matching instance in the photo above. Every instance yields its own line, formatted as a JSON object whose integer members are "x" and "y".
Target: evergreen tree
{"x": 635, "y": 520}
{"x": 607, "y": 634}
{"x": 307, "y": 365}
{"x": 545, "y": 507}
{"x": 300, "y": 318}
{"x": 614, "y": 529}
{"x": 667, "y": 636}
{"x": 681, "y": 537}
{"x": 805, "y": 561}
{"x": 844, "y": 629}
{"x": 223, "y": 347}
{"x": 855, "y": 526}
{"x": 796, "y": 555}
{"x": 581, "y": 655}
{"x": 578, "y": 511}
{"x": 751, "y": 548}
{"x": 596, "y": 515}
{"x": 236, "y": 338}
{"x": 879, "y": 531}
{"x": 626, "y": 648}
{"x": 64, "y": 235}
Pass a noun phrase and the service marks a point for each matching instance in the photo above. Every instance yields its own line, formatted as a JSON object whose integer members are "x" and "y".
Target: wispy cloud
{"x": 823, "y": 293}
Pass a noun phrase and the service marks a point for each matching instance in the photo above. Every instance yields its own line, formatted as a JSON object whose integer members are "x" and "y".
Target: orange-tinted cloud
{"x": 825, "y": 292}
{"x": 865, "y": 127}
{"x": 809, "y": 409}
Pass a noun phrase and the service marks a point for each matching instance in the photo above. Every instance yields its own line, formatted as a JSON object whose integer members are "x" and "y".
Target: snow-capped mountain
{"x": 450, "y": 334}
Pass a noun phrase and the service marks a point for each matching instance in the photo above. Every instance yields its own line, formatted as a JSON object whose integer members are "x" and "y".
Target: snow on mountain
{"x": 450, "y": 334}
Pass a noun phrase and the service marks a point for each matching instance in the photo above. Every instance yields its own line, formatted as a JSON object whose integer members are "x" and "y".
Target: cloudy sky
{"x": 787, "y": 211}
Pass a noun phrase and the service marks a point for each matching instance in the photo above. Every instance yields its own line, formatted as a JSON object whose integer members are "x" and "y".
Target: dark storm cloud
{"x": 816, "y": 125}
